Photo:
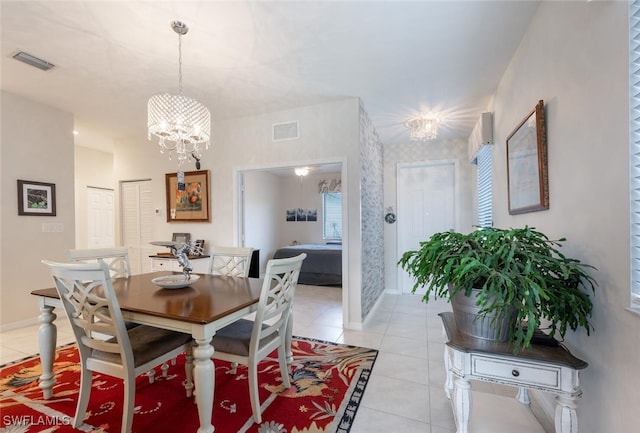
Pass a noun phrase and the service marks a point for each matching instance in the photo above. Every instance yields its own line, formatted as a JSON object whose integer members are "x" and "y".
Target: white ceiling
{"x": 242, "y": 58}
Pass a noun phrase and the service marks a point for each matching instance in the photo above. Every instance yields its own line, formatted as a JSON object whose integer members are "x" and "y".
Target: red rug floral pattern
{"x": 328, "y": 381}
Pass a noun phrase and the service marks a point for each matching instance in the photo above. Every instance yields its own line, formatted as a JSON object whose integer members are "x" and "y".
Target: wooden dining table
{"x": 208, "y": 304}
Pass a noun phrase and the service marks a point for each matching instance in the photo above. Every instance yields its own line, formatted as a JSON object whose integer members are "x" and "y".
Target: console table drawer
{"x": 517, "y": 372}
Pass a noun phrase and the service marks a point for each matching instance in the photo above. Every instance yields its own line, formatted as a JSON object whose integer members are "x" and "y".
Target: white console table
{"x": 545, "y": 368}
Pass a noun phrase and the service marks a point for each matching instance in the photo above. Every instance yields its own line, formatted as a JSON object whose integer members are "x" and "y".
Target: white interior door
{"x": 100, "y": 224}
{"x": 426, "y": 205}
{"x": 137, "y": 214}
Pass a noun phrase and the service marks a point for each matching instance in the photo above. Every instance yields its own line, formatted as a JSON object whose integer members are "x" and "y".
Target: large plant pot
{"x": 494, "y": 327}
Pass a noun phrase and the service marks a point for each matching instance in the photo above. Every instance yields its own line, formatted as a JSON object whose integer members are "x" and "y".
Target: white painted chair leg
{"x": 165, "y": 369}
{"x": 188, "y": 368}
{"x": 284, "y": 367}
{"x": 253, "y": 393}
{"x": 83, "y": 398}
{"x": 151, "y": 374}
{"x": 129, "y": 398}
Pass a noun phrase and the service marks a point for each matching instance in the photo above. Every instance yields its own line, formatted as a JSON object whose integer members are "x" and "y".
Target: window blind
{"x": 332, "y": 215}
{"x": 634, "y": 147}
{"x": 485, "y": 190}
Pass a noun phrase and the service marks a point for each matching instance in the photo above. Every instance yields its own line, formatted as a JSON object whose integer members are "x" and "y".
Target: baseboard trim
{"x": 19, "y": 324}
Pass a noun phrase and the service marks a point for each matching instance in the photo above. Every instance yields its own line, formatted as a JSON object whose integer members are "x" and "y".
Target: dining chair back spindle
{"x": 117, "y": 259}
{"x": 230, "y": 261}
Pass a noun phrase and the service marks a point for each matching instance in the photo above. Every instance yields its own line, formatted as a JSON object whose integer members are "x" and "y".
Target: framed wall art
{"x": 36, "y": 198}
{"x": 527, "y": 171}
{"x": 188, "y": 196}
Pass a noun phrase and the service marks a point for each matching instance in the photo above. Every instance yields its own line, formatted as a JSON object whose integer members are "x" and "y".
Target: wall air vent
{"x": 285, "y": 131}
{"x": 33, "y": 61}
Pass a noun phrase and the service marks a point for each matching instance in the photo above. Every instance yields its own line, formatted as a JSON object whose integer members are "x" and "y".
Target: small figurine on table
{"x": 181, "y": 251}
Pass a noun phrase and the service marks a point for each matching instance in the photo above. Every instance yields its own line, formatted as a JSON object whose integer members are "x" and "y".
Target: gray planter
{"x": 488, "y": 327}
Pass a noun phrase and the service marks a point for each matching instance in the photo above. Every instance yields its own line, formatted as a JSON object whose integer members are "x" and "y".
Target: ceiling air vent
{"x": 285, "y": 131}
{"x": 33, "y": 61}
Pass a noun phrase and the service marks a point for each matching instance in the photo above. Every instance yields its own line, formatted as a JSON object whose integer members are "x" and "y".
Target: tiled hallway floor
{"x": 405, "y": 392}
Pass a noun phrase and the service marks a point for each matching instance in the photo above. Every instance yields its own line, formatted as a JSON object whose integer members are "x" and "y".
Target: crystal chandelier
{"x": 182, "y": 124}
{"x": 423, "y": 127}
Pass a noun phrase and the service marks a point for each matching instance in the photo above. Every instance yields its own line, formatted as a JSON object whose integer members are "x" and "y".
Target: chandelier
{"x": 182, "y": 124}
{"x": 423, "y": 127}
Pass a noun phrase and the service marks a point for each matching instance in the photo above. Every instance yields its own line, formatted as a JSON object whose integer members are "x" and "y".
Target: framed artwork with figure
{"x": 188, "y": 196}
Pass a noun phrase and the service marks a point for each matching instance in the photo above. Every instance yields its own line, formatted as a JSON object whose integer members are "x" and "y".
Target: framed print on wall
{"x": 187, "y": 196}
{"x": 36, "y": 198}
{"x": 527, "y": 172}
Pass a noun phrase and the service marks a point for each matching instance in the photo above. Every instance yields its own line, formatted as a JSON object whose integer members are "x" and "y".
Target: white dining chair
{"x": 248, "y": 342}
{"x": 230, "y": 261}
{"x": 117, "y": 259}
{"x": 104, "y": 343}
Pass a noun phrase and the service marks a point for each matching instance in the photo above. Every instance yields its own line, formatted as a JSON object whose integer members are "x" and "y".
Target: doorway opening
{"x": 266, "y": 195}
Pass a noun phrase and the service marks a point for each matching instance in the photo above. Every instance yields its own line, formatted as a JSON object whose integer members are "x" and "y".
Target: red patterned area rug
{"x": 328, "y": 383}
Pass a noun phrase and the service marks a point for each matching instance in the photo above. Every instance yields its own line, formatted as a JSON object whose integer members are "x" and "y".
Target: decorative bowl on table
{"x": 177, "y": 281}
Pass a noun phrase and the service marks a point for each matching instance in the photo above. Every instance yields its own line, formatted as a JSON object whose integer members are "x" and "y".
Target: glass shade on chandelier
{"x": 182, "y": 124}
{"x": 423, "y": 127}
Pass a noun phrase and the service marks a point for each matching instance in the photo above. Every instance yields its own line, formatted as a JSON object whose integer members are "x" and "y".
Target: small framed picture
{"x": 184, "y": 238}
{"x": 36, "y": 198}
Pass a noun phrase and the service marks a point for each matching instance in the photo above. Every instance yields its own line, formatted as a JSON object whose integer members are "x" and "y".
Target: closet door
{"x": 137, "y": 213}
{"x": 100, "y": 218}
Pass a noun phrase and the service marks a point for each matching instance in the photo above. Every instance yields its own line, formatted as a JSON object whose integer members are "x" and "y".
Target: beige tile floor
{"x": 405, "y": 392}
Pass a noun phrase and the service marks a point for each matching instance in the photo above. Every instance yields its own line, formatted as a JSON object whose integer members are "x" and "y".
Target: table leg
{"x": 523, "y": 395}
{"x": 448, "y": 384}
{"x": 566, "y": 416}
{"x": 204, "y": 377}
{"x": 47, "y": 336}
{"x": 462, "y": 402}
{"x": 287, "y": 339}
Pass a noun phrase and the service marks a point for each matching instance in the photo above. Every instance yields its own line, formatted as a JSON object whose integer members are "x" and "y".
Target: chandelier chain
{"x": 179, "y": 64}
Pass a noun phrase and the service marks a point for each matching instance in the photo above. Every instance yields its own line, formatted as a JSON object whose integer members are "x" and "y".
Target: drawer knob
{"x": 515, "y": 373}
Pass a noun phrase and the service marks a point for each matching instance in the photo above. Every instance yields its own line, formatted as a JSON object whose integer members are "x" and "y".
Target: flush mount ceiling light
{"x": 301, "y": 171}
{"x": 423, "y": 127}
{"x": 182, "y": 124}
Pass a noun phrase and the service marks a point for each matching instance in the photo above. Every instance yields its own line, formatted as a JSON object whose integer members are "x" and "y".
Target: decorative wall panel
{"x": 372, "y": 213}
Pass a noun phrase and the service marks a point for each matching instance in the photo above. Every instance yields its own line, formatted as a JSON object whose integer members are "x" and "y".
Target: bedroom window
{"x": 332, "y": 215}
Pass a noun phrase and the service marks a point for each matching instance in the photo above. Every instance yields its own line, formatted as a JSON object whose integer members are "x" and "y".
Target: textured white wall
{"x": 262, "y": 212}
{"x": 36, "y": 145}
{"x": 575, "y": 57}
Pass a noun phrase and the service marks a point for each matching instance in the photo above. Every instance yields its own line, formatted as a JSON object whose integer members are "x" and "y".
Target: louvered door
{"x": 137, "y": 212}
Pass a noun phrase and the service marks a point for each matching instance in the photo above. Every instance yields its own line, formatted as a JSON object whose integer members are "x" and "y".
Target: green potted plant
{"x": 516, "y": 275}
